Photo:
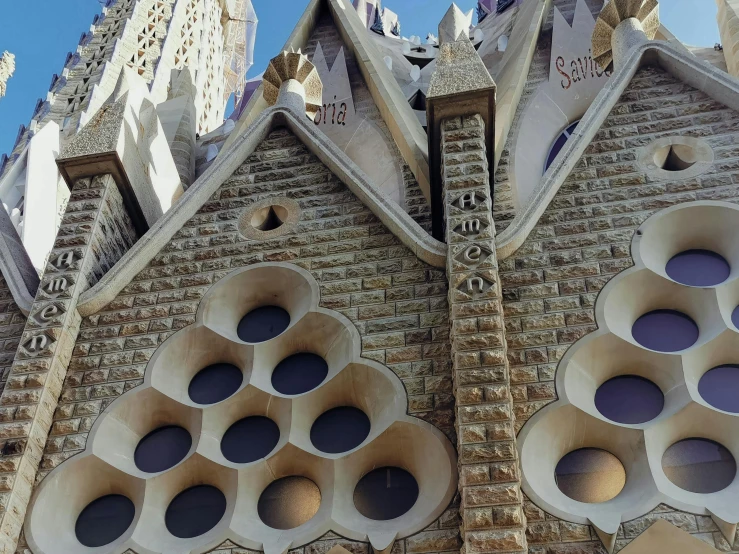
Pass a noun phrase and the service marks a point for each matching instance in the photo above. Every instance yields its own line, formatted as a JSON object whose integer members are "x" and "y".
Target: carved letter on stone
{"x": 475, "y": 281}
{"x": 37, "y": 343}
{"x": 473, "y": 253}
{"x": 467, "y": 200}
{"x": 59, "y": 284}
{"x": 471, "y": 226}
{"x": 65, "y": 261}
{"x": 48, "y": 313}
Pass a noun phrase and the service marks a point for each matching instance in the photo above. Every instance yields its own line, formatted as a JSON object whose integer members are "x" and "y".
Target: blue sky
{"x": 57, "y": 26}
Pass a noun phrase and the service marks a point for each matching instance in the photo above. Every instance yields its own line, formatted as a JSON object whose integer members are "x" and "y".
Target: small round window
{"x": 676, "y": 157}
{"x": 560, "y": 142}
{"x": 270, "y": 218}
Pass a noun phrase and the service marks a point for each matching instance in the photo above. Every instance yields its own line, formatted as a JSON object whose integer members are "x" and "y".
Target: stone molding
{"x": 398, "y": 221}
{"x": 679, "y": 63}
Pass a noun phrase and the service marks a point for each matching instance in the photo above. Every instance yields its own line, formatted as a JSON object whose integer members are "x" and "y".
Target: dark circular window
{"x": 162, "y": 449}
{"x": 559, "y": 143}
{"x": 698, "y": 268}
{"x": 720, "y": 388}
{"x": 735, "y": 317}
{"x": 269, "y": 218}
{"x": 195, "y": 511}
{"x": 250, "y": 439}
{"x": 340, "y": 430}
{"x": 629, "y": 399}
{"x": 665, "y": 331}
{"x": 289, "y": 502}
{"x": 299, "y": 373}
{"x": 385, "y": 493}
{"x": 590, "y": 475}
{"x": 263, "y": 324}
{"x": 215, "y": 383}
{"x": 104, "y": 520}
{"x": 699, "y": 465}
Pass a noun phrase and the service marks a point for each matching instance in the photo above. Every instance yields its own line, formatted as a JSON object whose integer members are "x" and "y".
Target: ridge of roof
{"x": 678, "y": 62}
{"x": 398, "y": 115}
{"x": 148, "y": 246}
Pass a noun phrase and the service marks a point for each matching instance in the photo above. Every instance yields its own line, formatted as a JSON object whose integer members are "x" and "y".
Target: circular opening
{"x": 385, "y": 493}
{"x": 299, "y": 373}
{"x": 629, "y": 399}
{"x": 698, "y": 268}
{"x": 289, "y": 502}
{"x": 215, "y": 383}
{"x": 720, "y": 388}
{"x": 263, "y": 324}
{"x": 665, "y": 331}
{"x": 162, "y": 449}
{"x": 699, "y": 465}
{"x": 675, "y": 157}
{"x": 735, "y": 317}
{"x": 590, "y": 475}
{"x": 340, "y": 430}
{"x": 195, "y": 511}
{"x": 269, "y": 218}
{"x": 250, "y": 439}
{"x": 104, "y": 520}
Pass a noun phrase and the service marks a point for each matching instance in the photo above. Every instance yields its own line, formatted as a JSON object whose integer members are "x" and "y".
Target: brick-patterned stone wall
{"x": 398, "y": 303}
{"x": 491, "y": 509}
{"x": 328, "y": 35}
{"x": 94, "y": 234}
{"x": 583, "y": 239}
{"x": 12, "y": 322}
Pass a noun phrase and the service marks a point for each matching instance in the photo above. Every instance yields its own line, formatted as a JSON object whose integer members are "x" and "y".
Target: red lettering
{"x": 560, "y": 63}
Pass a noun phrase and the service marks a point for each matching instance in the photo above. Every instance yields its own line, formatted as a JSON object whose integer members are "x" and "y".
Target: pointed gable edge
{"x": 681, "y": 64}
{"x": 398, "y": 115}
{"x": 390, "y": 214}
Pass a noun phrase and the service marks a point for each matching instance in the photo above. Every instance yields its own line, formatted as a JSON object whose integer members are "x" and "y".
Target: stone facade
{"x": 583, "y": 240}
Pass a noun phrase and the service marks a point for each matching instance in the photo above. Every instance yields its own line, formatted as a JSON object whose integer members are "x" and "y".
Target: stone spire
{"x": 7, "y": 67}
{"x": 455, "y": 25}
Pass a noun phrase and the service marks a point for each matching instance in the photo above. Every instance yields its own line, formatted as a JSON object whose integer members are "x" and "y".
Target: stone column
{"x": 492, "y": 503}
{"x": 95, "y": 232}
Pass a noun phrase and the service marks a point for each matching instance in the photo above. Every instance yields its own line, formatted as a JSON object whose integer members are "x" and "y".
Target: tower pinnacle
{"x": 7, "y": 67}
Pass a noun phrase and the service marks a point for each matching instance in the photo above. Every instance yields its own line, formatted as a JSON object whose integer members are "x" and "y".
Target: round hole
{"x": 340, "y": 430}
{"x": 735, "y": 317}
{"x": 299, "y": 373}
{"x": 269, "y": 218}
{"x": 250, "y": 439}
{"x": 289, "y": 502}
{"x": 699, "y": 465}
{"x": 104, "y": 520}
{"x": 665, "y": 331}
{"x": 590, "y": 475}
{"x": 629, "y": 399}
{"x": 698, "y": 268}
{"x": 385, "y": 493}
{"x": 162, "y": 449}
{"x": 263, "y": 324}
{"x": 215, "y": 383}
{"x": 720, "y": 388}
{"x": 195, "y": 511}
{"x": 675, "y": 157}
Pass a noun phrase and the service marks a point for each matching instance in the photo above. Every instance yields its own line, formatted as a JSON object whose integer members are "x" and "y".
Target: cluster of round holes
{"x": 629, "y": 399}
{"x": 287, "y": 502}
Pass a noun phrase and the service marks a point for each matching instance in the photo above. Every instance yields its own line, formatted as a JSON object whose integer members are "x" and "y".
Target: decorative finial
{"x": 646, "y": 16}
{"x": 7, "y": 68}
{"x": 295, "y": 67}
{"x": 455, "y": 25}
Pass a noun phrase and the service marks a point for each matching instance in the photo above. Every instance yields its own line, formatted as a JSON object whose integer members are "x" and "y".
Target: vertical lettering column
{"x": 30, "y": 397}
{"x": 492, "y": 507}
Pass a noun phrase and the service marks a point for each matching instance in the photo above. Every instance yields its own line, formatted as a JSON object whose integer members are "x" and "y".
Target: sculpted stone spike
{"x": 645, "y": 16}
{"x": 293, "y": 66}
{"x": 7, "y": 68}
{"x": 455, "y": 25}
